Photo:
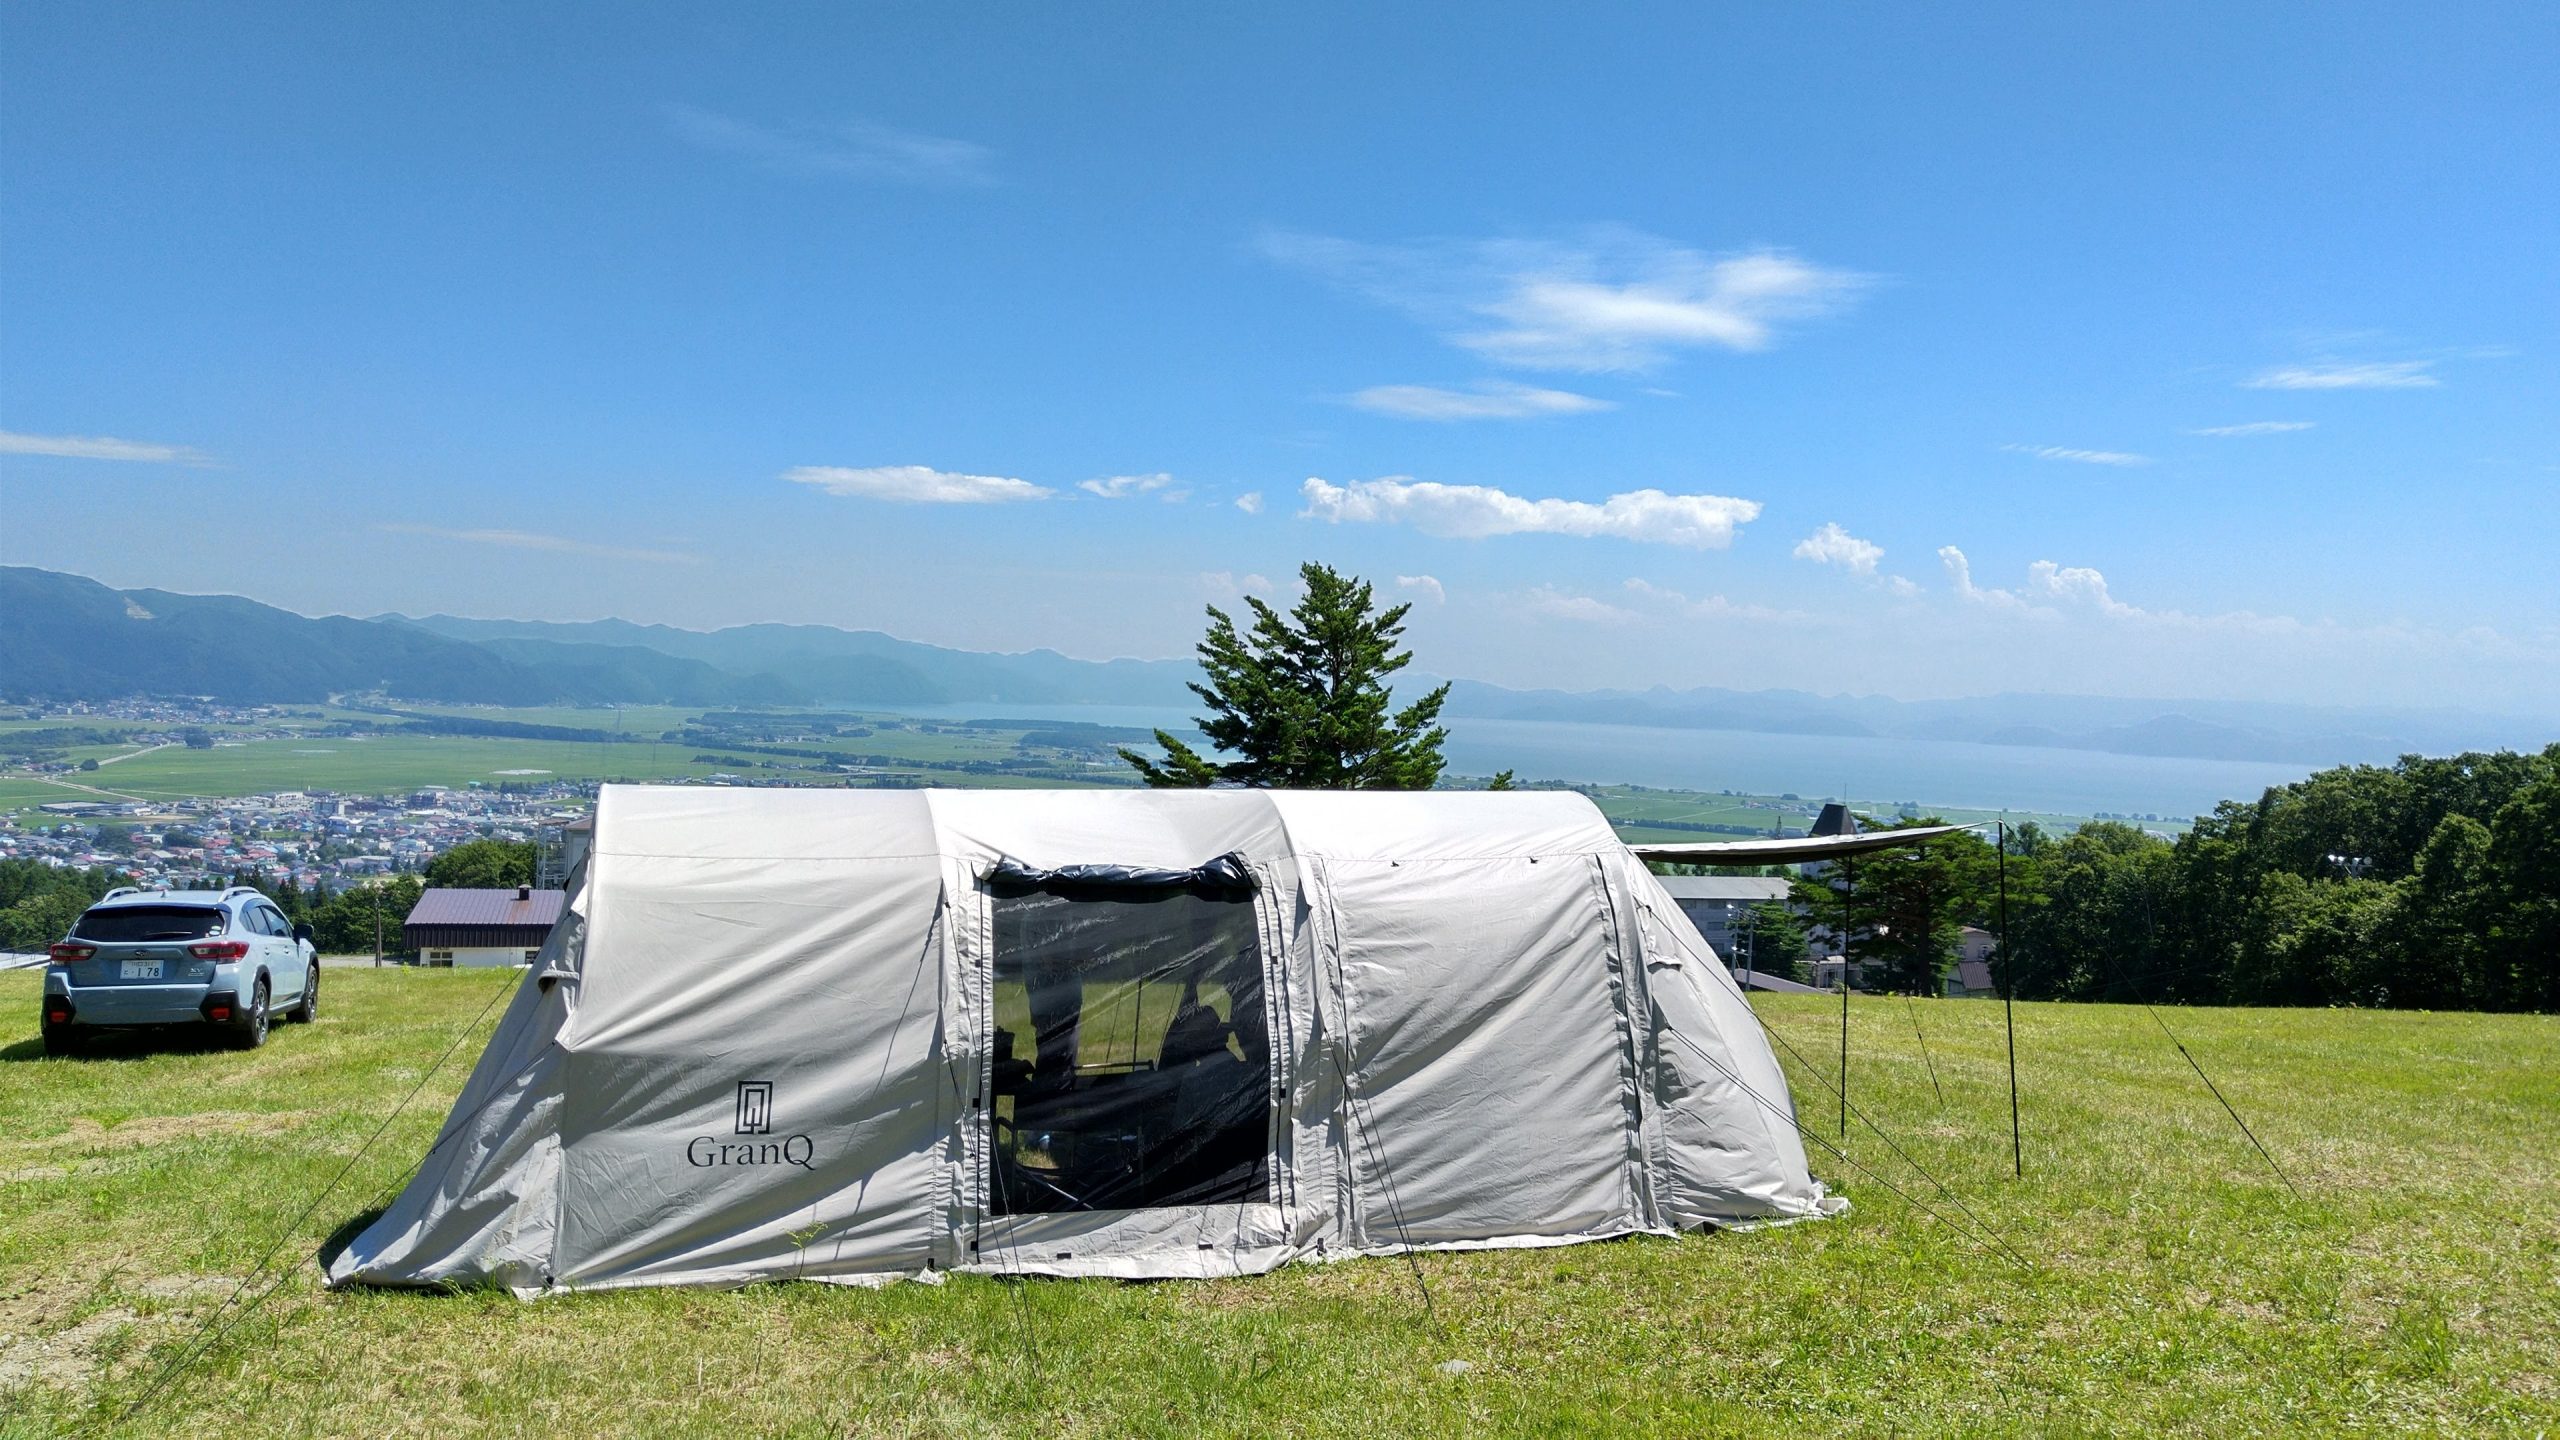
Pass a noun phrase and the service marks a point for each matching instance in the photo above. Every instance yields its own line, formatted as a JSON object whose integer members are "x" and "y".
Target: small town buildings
{"x": 1720, "y": 906}
{"x": 480, "y": 927}
{"x": 1972, "y": 978}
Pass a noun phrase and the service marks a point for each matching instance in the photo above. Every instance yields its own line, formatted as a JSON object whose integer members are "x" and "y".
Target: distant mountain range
{"x": 65, "y": 637}
{"x": 825, "y": 665}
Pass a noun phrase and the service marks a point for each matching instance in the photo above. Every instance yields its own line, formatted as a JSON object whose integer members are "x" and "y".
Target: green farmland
{"x": 2164, "y": 1280}
{"x": 391, "y": 761}
{"x": 907, "y": 750}
{"x": 379, "y": 764}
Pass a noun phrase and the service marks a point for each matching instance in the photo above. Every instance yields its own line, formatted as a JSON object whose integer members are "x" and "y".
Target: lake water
{"x": 1874, "y": 770}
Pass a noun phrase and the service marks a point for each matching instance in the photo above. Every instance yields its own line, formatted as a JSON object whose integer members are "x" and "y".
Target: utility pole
{"x": 377, "y": 924}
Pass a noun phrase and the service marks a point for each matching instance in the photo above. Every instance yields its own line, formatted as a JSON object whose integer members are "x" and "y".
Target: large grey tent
{"x": 862, "y": 1035}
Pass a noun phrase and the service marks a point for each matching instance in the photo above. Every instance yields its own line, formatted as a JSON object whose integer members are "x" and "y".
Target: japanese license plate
{"x": 138, "y": 969}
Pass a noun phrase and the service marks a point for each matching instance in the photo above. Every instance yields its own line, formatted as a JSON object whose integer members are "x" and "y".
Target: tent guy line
{"x": 1989, "y": 1240}
{"x": 199, "y": 1349}
{"x": 1890, "y": 1143}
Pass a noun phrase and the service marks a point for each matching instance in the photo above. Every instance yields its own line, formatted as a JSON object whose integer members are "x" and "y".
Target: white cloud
{"x": 1563, "y": 605}
{"x": 2079, "y": 457}
{"x": 1250, "y": 502}
{"x": 2054, "y": 592}
{"x": 1494, "y": 400}
{"x": 2254, "y": 427}
{"x": 2380, "y": 375}
{"x": 100, "y": 447}
{"x": 1832, "y": 545}
{"x": 914, "y": 484}
{"x": 1227, "y": 582}
{"x": 1119, "y": 487}
{"x": 1700, "y": 522}
{"x": 555, "y": 544}
{"x": 1960, "y": 576}
{"x": 1424, "y": 585}
{"x": 1712, "y": 607}
{"x": 854, "y": 149}
{"x": 2077, "y": 585}
{"x": 1607, "y": 298}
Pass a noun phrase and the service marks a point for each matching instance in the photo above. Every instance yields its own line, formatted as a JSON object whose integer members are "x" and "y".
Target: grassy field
{"x": 380, "y": 764}
{"x": 2169, "y": 1282}
{"x": 920, "y": 749}
{"x": 390, "y": 762}
{"x": 630, "y": 719}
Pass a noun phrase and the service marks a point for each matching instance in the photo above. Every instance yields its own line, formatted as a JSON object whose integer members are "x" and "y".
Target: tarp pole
{"x": 1913, "y": 1006}
{"x": 2009, "y": 1009}
{"x": 1848, "y": 925}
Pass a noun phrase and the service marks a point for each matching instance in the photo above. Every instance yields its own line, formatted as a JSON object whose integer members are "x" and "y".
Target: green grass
{"x": 2171, "y": 1283}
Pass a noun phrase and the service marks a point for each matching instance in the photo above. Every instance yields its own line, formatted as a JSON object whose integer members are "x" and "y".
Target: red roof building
{"x": 517, "y": 919}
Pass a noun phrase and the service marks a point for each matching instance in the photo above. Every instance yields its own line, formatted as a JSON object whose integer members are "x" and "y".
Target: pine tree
{"x": 1301, "y": 699}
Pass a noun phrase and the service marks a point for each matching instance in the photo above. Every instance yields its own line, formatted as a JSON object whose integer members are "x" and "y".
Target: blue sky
{"x": 2155, "y": 350}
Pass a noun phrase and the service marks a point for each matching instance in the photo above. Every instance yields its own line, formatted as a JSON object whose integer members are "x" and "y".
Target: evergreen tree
{"x": 1301, "y": 699}
{"x": 1777, "y": 942}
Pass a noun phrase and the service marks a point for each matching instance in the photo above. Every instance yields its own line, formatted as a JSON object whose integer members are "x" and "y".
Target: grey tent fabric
{"x": 858, "y": 1036}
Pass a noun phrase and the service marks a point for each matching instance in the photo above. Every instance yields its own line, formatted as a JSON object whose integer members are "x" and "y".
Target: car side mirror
{"x": 301, "y": 932}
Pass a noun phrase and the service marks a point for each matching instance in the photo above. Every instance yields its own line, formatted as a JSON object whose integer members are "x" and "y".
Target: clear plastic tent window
{"x": 1132, "y": 1059}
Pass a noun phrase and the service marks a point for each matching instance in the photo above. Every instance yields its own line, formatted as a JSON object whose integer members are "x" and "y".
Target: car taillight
{"x": 68, "y": 953}
{"x": 220, "y": 950}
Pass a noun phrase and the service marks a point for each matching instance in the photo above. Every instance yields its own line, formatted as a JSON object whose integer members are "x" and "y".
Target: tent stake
{"x": 2009, "y": 1009}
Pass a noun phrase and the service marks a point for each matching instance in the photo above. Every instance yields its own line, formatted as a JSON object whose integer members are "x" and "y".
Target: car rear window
{"x": 149, "y": 922}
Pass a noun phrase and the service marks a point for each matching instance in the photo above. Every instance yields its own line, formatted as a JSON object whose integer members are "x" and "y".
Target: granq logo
{"x": 755, "y": 1117}
{"x": 755, "y": 1107}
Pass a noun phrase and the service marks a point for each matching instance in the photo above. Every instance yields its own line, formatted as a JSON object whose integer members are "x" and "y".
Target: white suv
{"x": 223, "y": 958}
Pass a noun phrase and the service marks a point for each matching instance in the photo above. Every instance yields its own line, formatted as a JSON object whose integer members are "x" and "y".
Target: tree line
{"x": 39, "y": 902}
{"x": 2432, "y": 883}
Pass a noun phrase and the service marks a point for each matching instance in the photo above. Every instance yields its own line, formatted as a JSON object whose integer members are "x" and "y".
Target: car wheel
{"x": 307, "y": 1009}
{"x": 253, "y": 1025}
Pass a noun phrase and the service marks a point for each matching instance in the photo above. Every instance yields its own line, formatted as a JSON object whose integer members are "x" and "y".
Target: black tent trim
{"x": 1224, "y": 878}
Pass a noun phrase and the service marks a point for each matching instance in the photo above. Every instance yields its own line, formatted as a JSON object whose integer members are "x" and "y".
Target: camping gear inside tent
{"x": 856, "y": 1036}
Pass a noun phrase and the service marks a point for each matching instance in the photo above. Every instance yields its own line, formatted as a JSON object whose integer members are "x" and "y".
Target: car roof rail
{"x": 242, "y": 890}
{"x": 120, "y": 892}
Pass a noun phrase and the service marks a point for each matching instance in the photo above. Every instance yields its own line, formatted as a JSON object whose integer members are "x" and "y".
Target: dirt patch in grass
{"x": 89, "y": 1134}
{"x": 41, "y": 1345}
{"x": 62, "y": 1359}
